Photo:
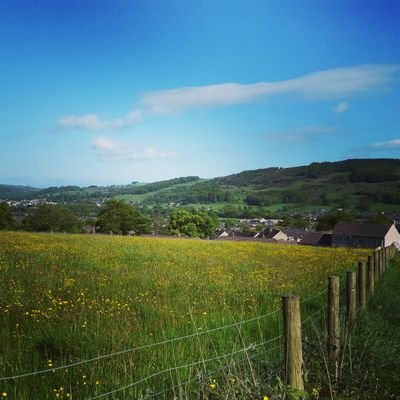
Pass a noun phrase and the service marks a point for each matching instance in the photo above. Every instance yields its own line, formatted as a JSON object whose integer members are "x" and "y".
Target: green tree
{"x": 118, "y": 217}
{"x": 296, "y": 221}
{"x": 380, "y": 219}
{"x": 329, "y": 221}
{"x": 6, "y": 217}
{"x": 193, "y": 224}
{"x": 52, "y": 218}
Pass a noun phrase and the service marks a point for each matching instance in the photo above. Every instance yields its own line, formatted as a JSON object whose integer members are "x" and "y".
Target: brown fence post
{"x": 371, "y": 278}
{"x": 293, "y": 349}
{"x": 333, "y": 319}
{"x": 361, "y": 287}
{"x": 351, "y": 299}
{"x": 378, "y": 252}
{"x": 384, "y": 258}
{"x": 376, "y": 265}
{"x": 387, "y": 258}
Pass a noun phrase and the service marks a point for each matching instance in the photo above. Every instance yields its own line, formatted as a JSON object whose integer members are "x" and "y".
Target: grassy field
{"x": 66, "y": 299}
{"x": 372, "y": 362}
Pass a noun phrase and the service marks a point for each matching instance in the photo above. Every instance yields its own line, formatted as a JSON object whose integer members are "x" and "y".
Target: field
{"x": 72, "y": 299}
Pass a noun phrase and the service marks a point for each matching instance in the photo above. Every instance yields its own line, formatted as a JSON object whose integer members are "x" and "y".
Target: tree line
{"x": 114, "y": 217}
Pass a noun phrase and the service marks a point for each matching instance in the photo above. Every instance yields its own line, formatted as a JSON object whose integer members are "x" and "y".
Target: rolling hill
{"x": 354, "y": 185}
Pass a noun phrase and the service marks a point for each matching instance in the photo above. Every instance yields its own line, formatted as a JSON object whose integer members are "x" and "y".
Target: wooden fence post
{"x": 384, "y": 258}
{"x": 371, "y": 278}
{"x": 361, "y": 287}
{"x": 333, "y": 319}
{"x": 378, "y": 255}
{"x": 351, "y": 298}
{"x": 293, "y": 344}
{"x": 376, "y": 265}
{"x": 387, "y": 257}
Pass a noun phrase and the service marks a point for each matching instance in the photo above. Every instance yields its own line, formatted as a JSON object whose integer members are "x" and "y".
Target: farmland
{"x": 354, "y": 185}
{"x": 65, "y": 299}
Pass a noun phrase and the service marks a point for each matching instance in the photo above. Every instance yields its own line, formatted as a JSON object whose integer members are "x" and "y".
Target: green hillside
{"x": 354, "y": 185}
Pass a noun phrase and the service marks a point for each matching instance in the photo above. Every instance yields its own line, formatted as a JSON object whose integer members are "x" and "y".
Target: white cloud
{"x": 92, "y": 122}
{"x": 375, "y": 148}
{"x": 321, "y": 85}
{"x": 103, "y": 143}
{"x": 303, "y": 134}
{"x": 341, "y": 107}
{"x": 390, "y": 144}
{"x": 111, "y": 150}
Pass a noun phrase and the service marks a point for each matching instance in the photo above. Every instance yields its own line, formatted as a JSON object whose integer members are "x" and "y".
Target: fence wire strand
{"x": 147, "y": 346}
{"x": 208, "y": 374}
{"x": 308, "y": 299}
{"x": 310, "y": 317}
{"x": 176, "y": 368}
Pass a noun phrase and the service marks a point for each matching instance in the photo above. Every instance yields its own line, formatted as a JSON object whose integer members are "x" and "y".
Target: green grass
{"x": 67, "y": 298}
{"x": 387, "y": 208}
{"x": 371, "y": 369}
{"x": 369, "y": 361}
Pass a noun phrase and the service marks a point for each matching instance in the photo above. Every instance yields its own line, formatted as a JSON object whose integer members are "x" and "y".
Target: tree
{"x": 329, "y": 221}
{"x": 193, "y": 224}
{"x": 380, "y": 219}
{"x": 6, "y": 217}
{"x": 296, "y": 221}
{"x": 52, "y": 218}
{"x": 118, "y": 217}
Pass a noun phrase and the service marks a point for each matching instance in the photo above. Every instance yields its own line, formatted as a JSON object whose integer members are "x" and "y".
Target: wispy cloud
{"x": 341, "y": 107}
{"x": 92, "y": 122}
{"x": 390, "y": 144}
{"x": 321, "y": 85}
{"x": 375, "y": 148}
{"x": 110, "y": 150}
{"x": 302, "y": 134}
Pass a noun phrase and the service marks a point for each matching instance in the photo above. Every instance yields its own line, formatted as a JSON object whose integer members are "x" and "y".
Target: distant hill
{"x": 14, "y": 192}
{"x": 354, "y": 185}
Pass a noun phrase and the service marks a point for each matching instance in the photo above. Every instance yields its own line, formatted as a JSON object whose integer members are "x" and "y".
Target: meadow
{"x": 86, "y": 317}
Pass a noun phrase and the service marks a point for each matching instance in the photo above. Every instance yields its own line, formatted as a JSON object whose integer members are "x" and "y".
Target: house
{"x": 317, "y": 239}
{"x": 274, "y": 234}
{"x": 235, "y": 234}
{"x": 295, "y": 234}
{"x": 364, "y": 234}
{"x": 221, "y": 233}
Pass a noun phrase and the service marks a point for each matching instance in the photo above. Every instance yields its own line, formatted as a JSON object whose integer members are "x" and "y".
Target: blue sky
{"x": 109, "y": 92}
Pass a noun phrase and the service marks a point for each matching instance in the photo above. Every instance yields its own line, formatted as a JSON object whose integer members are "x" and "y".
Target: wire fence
{"x": 238, "y": 353}
{"x": 138, "y": 348}
{"x": 250, "y": 349}
{"x": 204, "y": 365}
{"x": 175, "y": 368}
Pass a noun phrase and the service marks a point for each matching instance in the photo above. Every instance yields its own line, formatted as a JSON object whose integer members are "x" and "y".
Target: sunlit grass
{"x": 65, "y": 298}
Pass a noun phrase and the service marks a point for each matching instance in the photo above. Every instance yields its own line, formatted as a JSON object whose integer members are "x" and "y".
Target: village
{"x": 355, "y": 234}
{"x": 359, "y": 232}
